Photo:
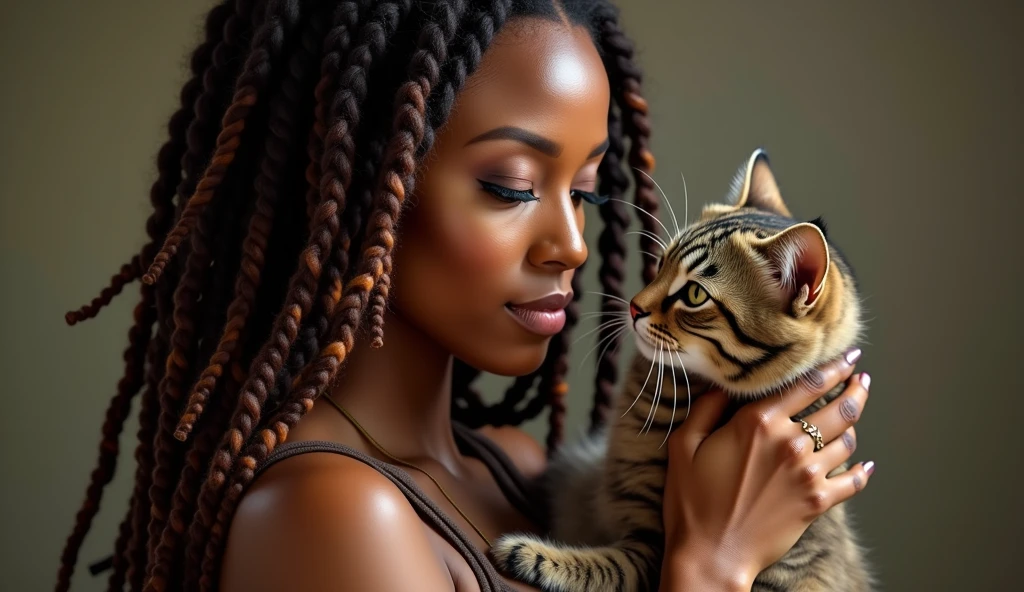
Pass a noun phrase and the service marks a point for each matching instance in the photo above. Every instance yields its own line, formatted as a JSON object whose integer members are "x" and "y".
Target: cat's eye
{"x": 694, "y": 294}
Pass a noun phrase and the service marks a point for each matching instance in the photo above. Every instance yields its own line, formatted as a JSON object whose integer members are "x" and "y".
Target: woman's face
{"x": 492, "y": 236}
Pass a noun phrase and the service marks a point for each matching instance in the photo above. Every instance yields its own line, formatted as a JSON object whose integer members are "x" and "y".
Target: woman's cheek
{"x": 479, "y": 243}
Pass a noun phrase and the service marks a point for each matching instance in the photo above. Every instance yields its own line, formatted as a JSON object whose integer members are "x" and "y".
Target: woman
{"x": 485, "y": 130}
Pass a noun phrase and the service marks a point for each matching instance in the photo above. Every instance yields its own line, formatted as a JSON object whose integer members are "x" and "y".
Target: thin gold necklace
{"x": 401, "y": 462}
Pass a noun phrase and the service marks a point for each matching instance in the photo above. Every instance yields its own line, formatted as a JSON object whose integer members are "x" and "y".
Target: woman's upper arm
{"x": 329, "y": 523}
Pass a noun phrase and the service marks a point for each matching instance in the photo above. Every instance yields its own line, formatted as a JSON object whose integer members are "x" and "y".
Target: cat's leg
{"x": 615, "y": 489}
{"x": 628, "y": 566}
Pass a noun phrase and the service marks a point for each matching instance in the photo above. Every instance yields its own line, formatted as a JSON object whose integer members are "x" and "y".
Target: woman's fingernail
{"x": 853, "y": 355}
{"x": 850, "y": 443}
{"x": 865, "y": 380}
{"x": 869, "y": 467}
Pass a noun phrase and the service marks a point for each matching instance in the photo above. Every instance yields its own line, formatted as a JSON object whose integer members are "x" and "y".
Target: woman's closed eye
{"x": 507, "y": 194}
{"x": 589, "y": 197}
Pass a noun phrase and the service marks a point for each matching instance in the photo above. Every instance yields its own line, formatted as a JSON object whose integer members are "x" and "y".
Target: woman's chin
{"x": 511, "y": 361}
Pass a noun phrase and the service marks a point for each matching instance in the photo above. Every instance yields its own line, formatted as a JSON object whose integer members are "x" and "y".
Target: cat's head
{"x": 747, "y": 297}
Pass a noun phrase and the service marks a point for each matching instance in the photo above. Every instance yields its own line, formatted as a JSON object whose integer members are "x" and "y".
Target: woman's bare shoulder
{"x": 525, "y": 452}
{"x": 324, "y": 521}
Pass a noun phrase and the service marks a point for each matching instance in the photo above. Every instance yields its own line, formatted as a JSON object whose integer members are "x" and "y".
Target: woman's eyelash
{"x": 506, "y": 193}
{"x": 509, "y": 194}
{"x": 589, "y": 197}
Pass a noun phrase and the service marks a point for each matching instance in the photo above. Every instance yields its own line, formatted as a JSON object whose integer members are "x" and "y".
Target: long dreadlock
{"x": 251, "y": 301}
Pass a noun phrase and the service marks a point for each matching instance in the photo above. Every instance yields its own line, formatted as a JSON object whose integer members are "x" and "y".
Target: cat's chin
{"x": 748, "y": 393}
{"x": 693, "y": 370}
{"x": 699, "y": 371}
{"x": 643, "y": 347}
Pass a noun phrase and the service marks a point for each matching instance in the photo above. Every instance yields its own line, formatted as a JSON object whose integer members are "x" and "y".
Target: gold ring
{"x": 812, "y": 431}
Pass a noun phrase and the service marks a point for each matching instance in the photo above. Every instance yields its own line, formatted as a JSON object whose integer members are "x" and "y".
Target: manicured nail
{"x": 850, "y": 443}
{"x": 865, "y": 380}
{"x": 869, "y": 467}
{"x": 853, "y": 355}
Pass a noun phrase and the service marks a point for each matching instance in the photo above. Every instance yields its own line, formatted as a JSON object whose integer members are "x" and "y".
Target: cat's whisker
{"x": 611, "y": 323}
{"x": 618, "y": 298}
{"x": 689, "y": 401}
{"x": 650, "y": 254}
{"x": 653, "y": 217}
{"x": 665, "y": 197}
{"x": 686, "y": 202}
{"x": 600, "y": 313}
{"x": 651, "y": 236}
{"x": 672, "y": 367}
{"x": 656, "y": 386}
{"x": 661, "y": 387}
{"x": 638, "y": 395}
{"x": 607, "y": 345}
{"x": 657, "y": 389}
{"x": 609, "y": 338}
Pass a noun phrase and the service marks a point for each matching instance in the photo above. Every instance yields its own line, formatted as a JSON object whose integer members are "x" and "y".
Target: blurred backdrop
{"x": 900, "y": 122}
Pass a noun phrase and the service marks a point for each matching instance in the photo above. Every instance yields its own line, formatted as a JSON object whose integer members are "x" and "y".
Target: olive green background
{"x": 899, "y": 121}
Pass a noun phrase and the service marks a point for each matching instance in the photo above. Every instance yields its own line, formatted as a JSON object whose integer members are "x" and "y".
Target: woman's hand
{"x": 738, "y": 498}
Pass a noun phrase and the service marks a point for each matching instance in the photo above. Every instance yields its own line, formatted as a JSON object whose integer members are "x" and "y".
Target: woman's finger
{"x": 847, "y": 484}
{"x": 705, "y": 414}
{"x": 843, "y": 411}
{"x": 836, "y": 452}
{"x": 811, "y": 386}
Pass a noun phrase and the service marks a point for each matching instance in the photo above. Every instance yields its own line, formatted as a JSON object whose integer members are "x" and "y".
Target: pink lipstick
{"x": 544, "y": 316}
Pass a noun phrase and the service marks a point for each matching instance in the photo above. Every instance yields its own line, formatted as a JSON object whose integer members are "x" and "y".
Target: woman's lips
{"x": 541, "y": 322}
{"x": 545, "y": 316}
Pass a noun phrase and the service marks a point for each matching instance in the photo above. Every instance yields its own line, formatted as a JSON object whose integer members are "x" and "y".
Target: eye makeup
{"x": 518, "y": 195}
{"x": 589, "y": 197}
{"x": 506, "y": 193}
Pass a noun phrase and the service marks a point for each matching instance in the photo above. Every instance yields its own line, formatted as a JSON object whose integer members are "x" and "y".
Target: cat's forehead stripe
{"x": 697, "y": 259}
{"x": 715, "y": 231}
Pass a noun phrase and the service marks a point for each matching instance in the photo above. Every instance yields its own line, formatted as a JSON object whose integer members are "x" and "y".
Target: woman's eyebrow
{"x": 599, "y": 150}
{"x": 511, "y": 132}
{"x": 535, "y": 141}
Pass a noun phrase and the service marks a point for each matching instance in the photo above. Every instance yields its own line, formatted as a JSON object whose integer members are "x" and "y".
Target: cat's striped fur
{"x": 772, "y": 300}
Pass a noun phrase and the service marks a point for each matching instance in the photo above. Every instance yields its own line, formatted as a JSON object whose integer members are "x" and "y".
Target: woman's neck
{"x": 401, "y": 393}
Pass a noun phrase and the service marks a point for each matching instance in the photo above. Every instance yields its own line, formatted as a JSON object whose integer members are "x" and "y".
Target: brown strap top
{"x": 512, "y": 483}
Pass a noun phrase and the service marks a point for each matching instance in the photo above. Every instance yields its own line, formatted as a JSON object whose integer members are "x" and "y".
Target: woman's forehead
{"x": 541, "y": 73}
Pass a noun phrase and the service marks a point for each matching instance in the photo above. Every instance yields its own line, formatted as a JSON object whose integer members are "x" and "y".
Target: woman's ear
{"x": 800, "y": 261}
{"x": 754, "y": 186}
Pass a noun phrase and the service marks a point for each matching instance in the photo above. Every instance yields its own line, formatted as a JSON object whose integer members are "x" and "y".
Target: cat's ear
{"x": 754, "y": 186}
{"x": 800, "y": 262}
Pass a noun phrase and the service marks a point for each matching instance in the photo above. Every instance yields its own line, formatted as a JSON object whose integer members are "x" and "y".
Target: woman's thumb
{"x": 704, "y": 415}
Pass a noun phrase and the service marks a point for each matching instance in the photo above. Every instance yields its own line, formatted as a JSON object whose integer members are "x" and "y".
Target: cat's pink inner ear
{"x": 800, "y": 255}
{"x": 810, "y": 268}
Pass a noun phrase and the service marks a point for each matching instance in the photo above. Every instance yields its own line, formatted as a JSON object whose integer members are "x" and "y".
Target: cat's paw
{"x": 521, "y": 557}
{"x": 552, "y": 567}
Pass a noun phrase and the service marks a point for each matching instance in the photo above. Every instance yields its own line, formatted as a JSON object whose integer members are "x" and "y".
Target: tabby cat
{"x": 746, "y": 298}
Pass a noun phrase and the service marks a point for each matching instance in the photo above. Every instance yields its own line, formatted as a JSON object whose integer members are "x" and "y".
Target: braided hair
{"x": 250, "y": 302}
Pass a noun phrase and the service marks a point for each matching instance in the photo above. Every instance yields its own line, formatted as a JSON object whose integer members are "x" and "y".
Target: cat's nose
{"x": 634, "y": 310}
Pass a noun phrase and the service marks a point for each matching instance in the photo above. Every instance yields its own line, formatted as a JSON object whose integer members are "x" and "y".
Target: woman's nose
{"x": 559, "y": 242}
